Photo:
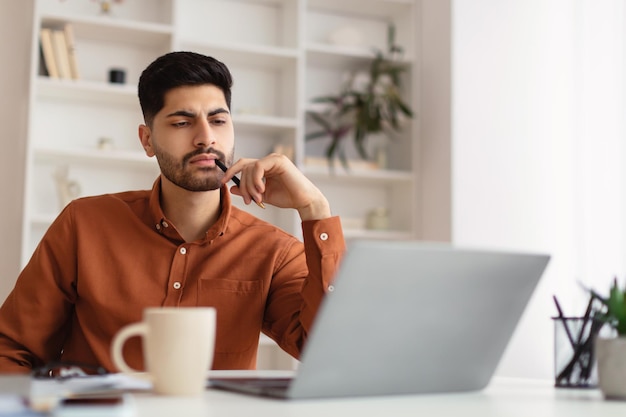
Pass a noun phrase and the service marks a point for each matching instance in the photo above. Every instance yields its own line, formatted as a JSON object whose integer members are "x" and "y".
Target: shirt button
{"x": 165, "y": 224}
{"x": 183, "y": 251}
{"x": 177, "y": 285}
{"x": 324, "y": 236}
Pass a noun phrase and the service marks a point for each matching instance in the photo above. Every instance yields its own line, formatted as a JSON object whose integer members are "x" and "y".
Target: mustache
{"x": 209, "y": 150}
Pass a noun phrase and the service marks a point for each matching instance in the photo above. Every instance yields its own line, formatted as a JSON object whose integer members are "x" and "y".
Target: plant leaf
{"x": 316, "y": 135}
{"x": 326, "y": 125}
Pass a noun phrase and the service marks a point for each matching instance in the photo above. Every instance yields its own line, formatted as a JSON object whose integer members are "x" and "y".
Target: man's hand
{"x": 275, "y": 180}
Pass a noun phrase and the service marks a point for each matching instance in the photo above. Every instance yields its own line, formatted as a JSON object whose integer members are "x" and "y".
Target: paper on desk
{"x": 13, "y": 405}
{"x": 46, "y": 393}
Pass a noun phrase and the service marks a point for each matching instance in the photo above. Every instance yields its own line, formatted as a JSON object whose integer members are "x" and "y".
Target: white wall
{"x": 16, "y": 20}
{"x": 537, "y": 149}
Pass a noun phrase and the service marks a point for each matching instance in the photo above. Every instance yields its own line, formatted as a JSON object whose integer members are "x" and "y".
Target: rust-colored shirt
{"x": 107, "y": 257}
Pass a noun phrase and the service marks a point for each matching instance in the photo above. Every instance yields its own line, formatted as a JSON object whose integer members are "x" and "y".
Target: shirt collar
{"x": 163, "y": 226}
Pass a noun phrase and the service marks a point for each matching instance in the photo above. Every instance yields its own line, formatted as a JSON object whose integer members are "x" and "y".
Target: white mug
{"x": 178, "y": 346}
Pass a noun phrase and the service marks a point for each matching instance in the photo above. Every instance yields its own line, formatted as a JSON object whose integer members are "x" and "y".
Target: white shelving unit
{"x": 281, "y": 57}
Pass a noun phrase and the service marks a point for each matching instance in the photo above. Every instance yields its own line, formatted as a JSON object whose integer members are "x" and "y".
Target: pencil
{"x": 235, "y": 180}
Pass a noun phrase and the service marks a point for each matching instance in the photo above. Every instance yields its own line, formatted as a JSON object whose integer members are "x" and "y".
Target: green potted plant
{"x": 611, "y": 351}
{"x": 369, "y": 102}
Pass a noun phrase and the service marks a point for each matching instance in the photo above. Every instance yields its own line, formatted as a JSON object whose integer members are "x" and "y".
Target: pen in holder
{"x": 574, "y": 347}
{"x": 574, "y": 356}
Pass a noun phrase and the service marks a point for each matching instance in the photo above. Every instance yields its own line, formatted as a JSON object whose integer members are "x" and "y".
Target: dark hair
{"x": 177, "y": 69}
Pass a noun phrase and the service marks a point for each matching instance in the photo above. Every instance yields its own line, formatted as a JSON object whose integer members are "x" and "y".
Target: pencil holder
{"x": 574, "y": 356}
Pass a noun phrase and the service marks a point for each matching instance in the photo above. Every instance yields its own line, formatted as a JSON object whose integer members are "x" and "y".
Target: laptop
{"x": 407, "y": 317}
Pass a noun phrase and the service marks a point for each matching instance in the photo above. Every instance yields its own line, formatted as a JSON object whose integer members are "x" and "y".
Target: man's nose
{"x": 203, "y": 137}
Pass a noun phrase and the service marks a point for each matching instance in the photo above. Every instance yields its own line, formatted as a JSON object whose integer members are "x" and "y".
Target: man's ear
{"x": 145, "y": 137}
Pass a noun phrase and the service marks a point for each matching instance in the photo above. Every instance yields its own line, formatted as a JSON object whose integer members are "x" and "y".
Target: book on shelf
{"x": 47, "y": 49}
{"x": 60, "y": 53}
{"x": 41, "y": 69}
{"x": 68, "y": 30}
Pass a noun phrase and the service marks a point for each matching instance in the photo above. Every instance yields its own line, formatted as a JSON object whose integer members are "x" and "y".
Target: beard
{"x": 196, "y": 180}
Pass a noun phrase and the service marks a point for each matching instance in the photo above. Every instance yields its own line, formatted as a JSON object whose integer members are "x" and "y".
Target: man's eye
{"x": 180, "y": 124}
{"x": 218, "y": 121}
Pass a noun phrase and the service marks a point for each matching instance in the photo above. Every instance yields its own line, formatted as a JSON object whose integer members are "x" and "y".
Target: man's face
{"x": 193, "y": 128}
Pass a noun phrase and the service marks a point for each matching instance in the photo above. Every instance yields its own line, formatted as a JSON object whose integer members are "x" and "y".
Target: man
{"x": 106, "y": 258}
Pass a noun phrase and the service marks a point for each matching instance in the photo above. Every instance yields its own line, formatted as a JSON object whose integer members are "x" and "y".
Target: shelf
{"x": 87, "y": 91}
{"x": 317, "y": 173}
{"x": 280, "y": 3}
{"x": 341, "y": 57}
{"x": 135, "y": 159}
{"x": 264, "y": 124}
{"x": 379, "y": 9}
{"x": 259, "y": 56}
{"x": 338, "y": 57}
{"x": 112, "y": 30}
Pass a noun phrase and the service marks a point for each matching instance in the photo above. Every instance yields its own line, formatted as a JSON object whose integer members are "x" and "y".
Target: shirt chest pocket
{"x": 240, "y": 306}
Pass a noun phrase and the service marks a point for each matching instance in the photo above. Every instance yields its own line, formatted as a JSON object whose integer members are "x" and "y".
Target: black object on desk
{"x": 574, "y": 356}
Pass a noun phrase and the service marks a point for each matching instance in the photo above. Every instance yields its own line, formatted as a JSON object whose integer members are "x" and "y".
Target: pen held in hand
{"x": 235, "y": 180}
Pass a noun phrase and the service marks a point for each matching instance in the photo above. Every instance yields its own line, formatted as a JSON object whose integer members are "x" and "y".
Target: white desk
{"x": 502, "y": 398}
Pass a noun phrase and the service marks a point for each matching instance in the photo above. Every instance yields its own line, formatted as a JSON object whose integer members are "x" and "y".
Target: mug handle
{"x": 135, "y": 329}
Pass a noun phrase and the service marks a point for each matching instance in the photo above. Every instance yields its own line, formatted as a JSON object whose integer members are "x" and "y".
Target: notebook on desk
{"x": 407, "y": 318}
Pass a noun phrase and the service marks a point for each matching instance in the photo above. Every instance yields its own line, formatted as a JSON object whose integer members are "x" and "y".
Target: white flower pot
{"x": 611, "y": 357}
